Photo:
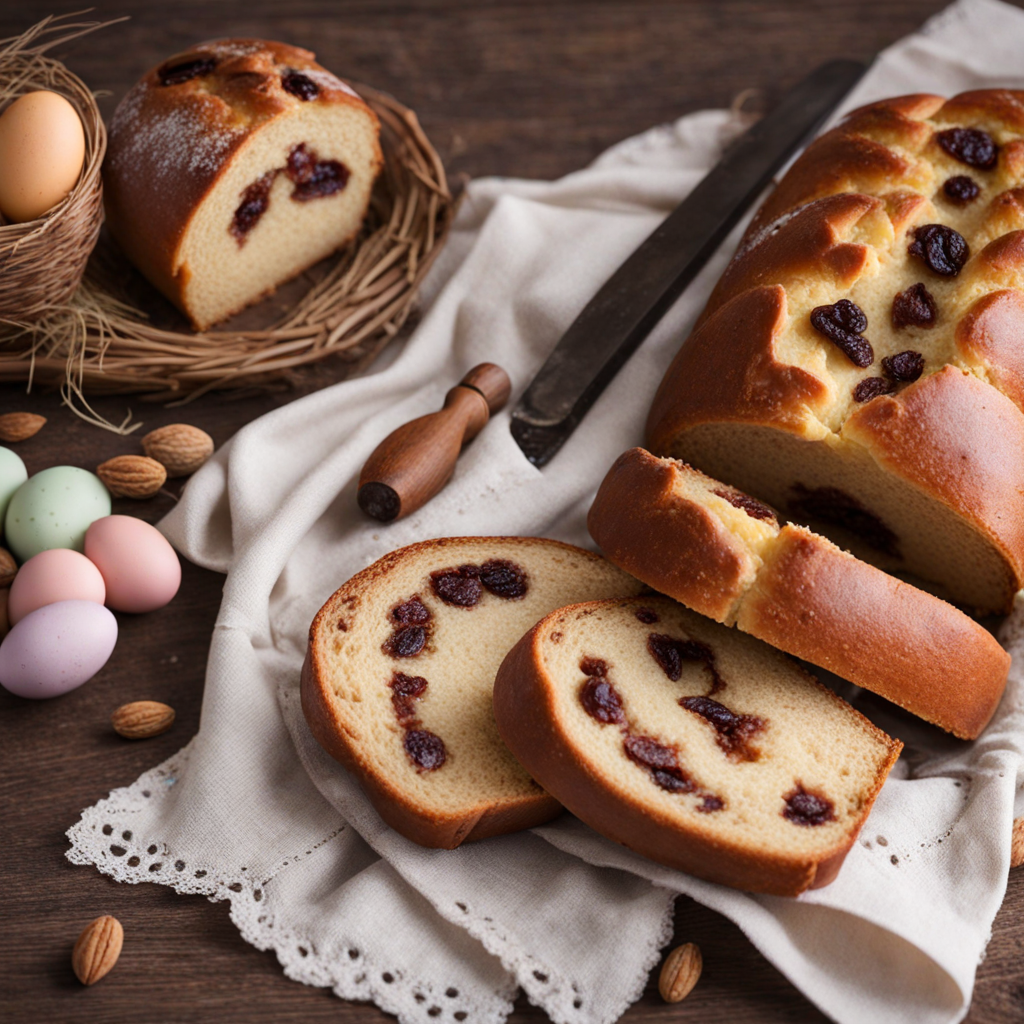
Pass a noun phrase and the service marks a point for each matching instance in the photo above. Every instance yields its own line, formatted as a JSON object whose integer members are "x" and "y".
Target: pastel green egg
{"x": 53, "y": 509}
{"x": 12, "y": 475}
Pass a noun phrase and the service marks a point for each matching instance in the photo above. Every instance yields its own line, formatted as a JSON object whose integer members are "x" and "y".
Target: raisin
{"x": 903, "y": 366}
{"x": 600, "y": 700}
{"x": 804, "y": 808}
{"x": 970, "y": 146}
{"x": 710, "y": 802}
{"x": 426, "y": 749}
{"x": 298, "y": 84}
{"x": 187, "y": 70}
{"x": 313, "y": 177}
{"x": 670, "y": 654}
{"x": 460, "y": 587}
{"x": 412, "y": 612}
{"x": 504, "y": 579}
{"x": 593, "y": 667}
{"x": 941, "y": 248}
{"x": 872, "y": 387}
{"x": 754, "y": 508}
{"x": 843, "y": 324}
{"x": 832, "y": 505}
{"x": 733, "y": 730}
{"x": 961, "y": 189}
{"x": 406, "y": 642}
{"x": 660, "y": 761}
{"x": 255, "y": 200}
{"x": 405, "y": 690}
{"x": 914, "y": 308}
{"x": 648, "y": 616}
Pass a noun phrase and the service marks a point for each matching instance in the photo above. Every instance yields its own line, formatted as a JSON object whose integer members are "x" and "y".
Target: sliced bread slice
{"x": 690, "y": 743}
{"x": 401, "y": 662}
{"x": 724, "y": 554}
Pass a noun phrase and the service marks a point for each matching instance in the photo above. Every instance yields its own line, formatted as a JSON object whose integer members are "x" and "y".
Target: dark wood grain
{"x": 534, "y": 88}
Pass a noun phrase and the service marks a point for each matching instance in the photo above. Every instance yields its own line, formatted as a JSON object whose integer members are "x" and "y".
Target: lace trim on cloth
{"x": 104, "y": 837}
{"x": 554, "y": 992}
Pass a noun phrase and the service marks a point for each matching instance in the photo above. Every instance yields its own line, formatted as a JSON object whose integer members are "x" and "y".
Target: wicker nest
{"x": 42, "y": 260}
{"x": 102, "y": 340}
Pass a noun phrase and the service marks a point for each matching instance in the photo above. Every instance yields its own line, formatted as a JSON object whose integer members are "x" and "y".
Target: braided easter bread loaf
{"x": 860, "y": 363}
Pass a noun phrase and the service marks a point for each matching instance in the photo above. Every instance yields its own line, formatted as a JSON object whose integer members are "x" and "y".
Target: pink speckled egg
{"x": 56, "y": 648}
{"x": 58, "y": 574}
{"x": 140, "y": 569}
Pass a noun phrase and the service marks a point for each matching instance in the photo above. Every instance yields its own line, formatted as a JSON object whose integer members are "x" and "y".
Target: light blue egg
{"x": 12, "y": 475}
{"x": 53, "y": 509}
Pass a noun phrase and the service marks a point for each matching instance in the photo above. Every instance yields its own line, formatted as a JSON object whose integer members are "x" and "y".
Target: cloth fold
{"x": 254, "y": 812}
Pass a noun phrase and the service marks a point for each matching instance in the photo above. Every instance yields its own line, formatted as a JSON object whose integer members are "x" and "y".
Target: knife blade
{"x": 629, "y": 304}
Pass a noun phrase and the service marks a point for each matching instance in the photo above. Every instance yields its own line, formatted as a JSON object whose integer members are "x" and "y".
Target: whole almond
{"x": 142, "y": 719}
{"x": 1017, "y": 844}
{"x": 132, "y": 476}
{"x": 8, "y": 568}
{"x": 680, "y": 973}
{"x": 97, "y": 949}
{"x": 20, "y": 426}
{"x": 179, "y": 447}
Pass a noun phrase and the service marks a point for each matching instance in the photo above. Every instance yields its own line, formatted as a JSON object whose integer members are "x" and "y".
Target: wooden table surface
{"x": 534, "y": 88}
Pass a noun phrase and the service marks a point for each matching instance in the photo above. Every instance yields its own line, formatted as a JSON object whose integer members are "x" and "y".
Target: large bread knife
{"x": 639, "y": 293}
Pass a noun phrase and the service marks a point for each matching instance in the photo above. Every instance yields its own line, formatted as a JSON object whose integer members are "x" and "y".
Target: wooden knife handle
{"x": 415, "y": 461}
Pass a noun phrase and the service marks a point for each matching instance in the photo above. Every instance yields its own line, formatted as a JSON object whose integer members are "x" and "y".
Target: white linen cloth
{"x": 254, "y": 812}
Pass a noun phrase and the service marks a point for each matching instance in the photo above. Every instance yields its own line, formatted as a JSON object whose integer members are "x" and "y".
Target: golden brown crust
{"x": 524, "y": 708}
{"x": 321, "y": 709}
{"x": 729, "y": 370}
{"x": 810, "y": 599}
{"x": 821, "y": 604}
{"x": 961, "y": 441}
{"x": 154, "y": 182}
{"x": 809, "y": 245}
{"x": 671, "y": 544}
{"x": 990, "y": 337}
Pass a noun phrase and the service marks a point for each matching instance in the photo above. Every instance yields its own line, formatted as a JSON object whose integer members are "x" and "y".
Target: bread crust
{"x": 810, "y": 599}
{"x": 524, "y": 708}
{"x": 639, "y": 522}
{"x": 327, "y": 724}
{"x": 204, "y": 123}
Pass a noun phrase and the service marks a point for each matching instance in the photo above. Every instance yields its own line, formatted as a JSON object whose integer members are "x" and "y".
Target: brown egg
{"x": 42, "y": 149}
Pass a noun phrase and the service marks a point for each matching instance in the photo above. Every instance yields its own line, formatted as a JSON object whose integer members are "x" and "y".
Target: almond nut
{"x": 97, "y": 949}
{"x": 142, "y": 719}
{"x": 8, "y": 568}
{"x": 680, "y": 973}
{"x": 1017, "y": 844}
{"x": 132, "y": 476}
{"x": 179, "y": 447}
{"x": 20, "y": 426}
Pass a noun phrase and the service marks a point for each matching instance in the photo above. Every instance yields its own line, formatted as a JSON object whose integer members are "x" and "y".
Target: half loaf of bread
{"x": 234, "y": 166}
{"x": 859, "y": 364}
{"x": 724, "y": 554}
{"x": 398, "y": 677}
{"x": 692, "y": 744}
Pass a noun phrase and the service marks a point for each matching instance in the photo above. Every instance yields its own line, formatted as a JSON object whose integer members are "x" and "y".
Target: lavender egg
{"x": 56, "y": 648}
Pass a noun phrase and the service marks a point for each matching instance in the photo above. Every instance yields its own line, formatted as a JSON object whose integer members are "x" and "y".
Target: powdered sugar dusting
{"x": 189, "y": 139}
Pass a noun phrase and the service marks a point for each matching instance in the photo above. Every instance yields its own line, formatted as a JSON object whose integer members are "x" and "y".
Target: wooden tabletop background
{"x": 533, "y": 88}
